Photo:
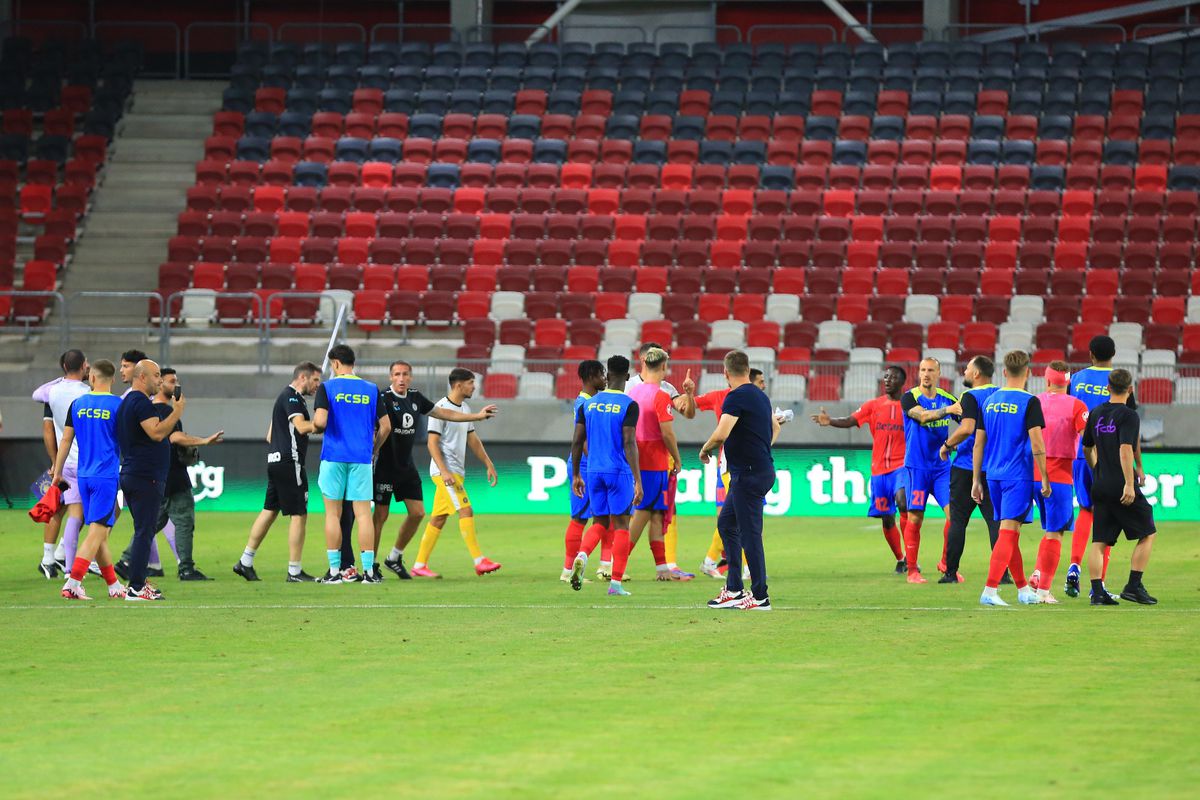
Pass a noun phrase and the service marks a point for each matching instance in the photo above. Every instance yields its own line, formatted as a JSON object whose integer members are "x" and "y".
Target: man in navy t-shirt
{"x": 747, "y": 429}
{"x": 145, "y": 459}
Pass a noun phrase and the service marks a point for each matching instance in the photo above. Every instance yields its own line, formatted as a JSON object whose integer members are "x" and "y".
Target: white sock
{"x": 1043, "y": 593}
{"x": 582, "y": 555}
{"x": 60, "y": 552}
{"x": 660, "y": 567}
{"x": 73, "y": 584}
{"x": 605, "y": 565}
{"x": 155, "y": 565}
{"x": 395, "y": 554}
{"x": 672, "y": 565}
{"x": 479, "y": 561}
{"x": 47, "y": 553}
{"x": 709, "y": 563}
{"x": 248, "y": 557}
{"x": 293, "y": 567}
{"x": 989, "y": 591}
{"x": 419, "y": 565}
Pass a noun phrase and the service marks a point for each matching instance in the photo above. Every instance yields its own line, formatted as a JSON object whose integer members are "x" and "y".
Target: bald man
{"x": 144, "y": 439}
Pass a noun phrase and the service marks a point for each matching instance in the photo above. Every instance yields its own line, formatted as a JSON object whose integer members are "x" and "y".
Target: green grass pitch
{"x": 857, "y": 685}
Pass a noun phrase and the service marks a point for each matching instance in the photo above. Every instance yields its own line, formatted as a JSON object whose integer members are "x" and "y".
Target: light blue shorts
{"x": 340, "y": 480}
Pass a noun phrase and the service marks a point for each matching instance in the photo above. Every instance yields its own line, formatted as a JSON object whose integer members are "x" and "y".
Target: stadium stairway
{"x": 153, "y": 157}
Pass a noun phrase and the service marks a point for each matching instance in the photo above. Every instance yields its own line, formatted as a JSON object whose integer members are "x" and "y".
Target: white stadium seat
{"x": 535, "y": 386}
{"x": 922, "y": 309}
{"x": 711, "y": 382}
{"x": 727, "y": 333}
{"x": 645, "y": 306}
{"x": 508, "y": 358}
{"x": 198, "y": 307}
{"x": 762, "y": 358}
{"x": 508, "y": 305}
{"x": 622, "y": 334}
{"x": 1026, "y": 308}
{"x": 783, "y": 308}
{"x": 1015, "y": 336}
{"x": 835, "y": 334}
{"x": 789, "y": 389}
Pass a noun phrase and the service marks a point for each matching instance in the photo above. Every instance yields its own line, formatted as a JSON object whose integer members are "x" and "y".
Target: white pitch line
{"x": 71, "y": 606}
{"x": 479, "y": 606}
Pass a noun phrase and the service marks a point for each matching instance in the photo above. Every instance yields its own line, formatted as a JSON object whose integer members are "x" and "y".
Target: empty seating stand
{"x": 887, "y": 192}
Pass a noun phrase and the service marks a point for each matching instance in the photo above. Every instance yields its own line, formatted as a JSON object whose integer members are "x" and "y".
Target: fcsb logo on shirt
{"x": 1090, "y": 388}
{"x": 1002, "y": 408}
{"x": 605, "y": 408}
{"x": 353, "y": 399}
{"x": 94, "y": 413}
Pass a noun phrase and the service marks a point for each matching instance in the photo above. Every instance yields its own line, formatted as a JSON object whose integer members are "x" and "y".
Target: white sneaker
{"x": 566, "y": 576}
{"x": 1027, "y": 596}
{"x": 710, "y": 569}
{"x": 117, "y": 591}
{"x": 727, "y": 599}
{"x": 749, "y": 603}
{"x": 1044, "y": 596}
{"x": 986, "y": 599}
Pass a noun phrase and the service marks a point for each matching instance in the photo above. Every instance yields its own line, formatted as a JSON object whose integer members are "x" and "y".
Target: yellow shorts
{"x": 449, "y": 501}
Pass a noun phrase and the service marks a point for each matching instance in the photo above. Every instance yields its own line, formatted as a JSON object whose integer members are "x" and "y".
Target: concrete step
{"x": 171, "y": 127}
{"x": 147, "y": 199}
{"x": 144, "y": 150}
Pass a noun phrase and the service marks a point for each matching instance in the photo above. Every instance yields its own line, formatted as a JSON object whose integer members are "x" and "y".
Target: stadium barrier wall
{"x": 533, "y": 479}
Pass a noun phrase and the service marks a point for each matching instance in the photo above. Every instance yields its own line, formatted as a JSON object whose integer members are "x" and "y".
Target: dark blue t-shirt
{"x": 749, "y": 443}
{"x": 141, "y": 456}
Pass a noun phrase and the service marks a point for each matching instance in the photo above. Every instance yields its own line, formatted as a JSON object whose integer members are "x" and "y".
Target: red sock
{"x": 591, "y": 538}
{"x": 1001, "y": 558}
{"x": 606, "y": 545}
{"x": 945, "y": 539}
{"x": 620, "y": 553}
{"x": 912, "y": 544}
{"x": 659, "y": 551}
{"x": 903, "y": 520}
{"x": 1016, "y": 564}
{"x": 892, "y": 535}
{"x": 1049, "y": 552}
{"x": 1079, "y": 539}
{"x": 80, "y": 568}
{"x": 110, "y": 574}
{"x": 574, "y": 538}
{"x": 1104, "y": 569}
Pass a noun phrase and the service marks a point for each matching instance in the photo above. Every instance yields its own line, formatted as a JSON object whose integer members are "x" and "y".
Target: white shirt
{"x": 62, "y": 394}
{"x": 452, "y": 439}
{"x": 635, "y": 380}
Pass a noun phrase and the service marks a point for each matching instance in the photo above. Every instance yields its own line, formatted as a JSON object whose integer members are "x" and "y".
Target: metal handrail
{"x": 1185, "y": 30}
{"x": 750, "y": 33}
{"x": 62, "y": 327}
{"x": 565, "y": 29}
{"x": 240, "y": 29}
{"x": 1046, "y": 29}
{"x": 477, "y": 34}
{"x": 874, "y": 29}
{"x": 145, "y": 23}
{"x": 704, "y": 29}
{"x": 321, "y": 27}
{"x": 400, "y": 27}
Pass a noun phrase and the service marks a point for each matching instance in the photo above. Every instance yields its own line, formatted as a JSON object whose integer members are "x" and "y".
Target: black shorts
{"x": 403, "y": 486}
{"x": 1110, "y": 518}
{"x": 287, "y": 489}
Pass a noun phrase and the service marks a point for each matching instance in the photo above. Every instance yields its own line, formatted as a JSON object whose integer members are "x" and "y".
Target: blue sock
{"x": 335, "y": 561}
{"x": 368, "y": 561}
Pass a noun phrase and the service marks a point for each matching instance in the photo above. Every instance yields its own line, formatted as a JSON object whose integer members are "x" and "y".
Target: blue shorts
{"x": 340, "y": 480}
{"x": 1013, "y": 499}
{"x": 609, "y": 493}
{"x": 921, "y": 483}
{"x": 1083, "y": 482}
{"x": 654, "y": 490}
{"x": 883, "y": 493}
{"x": 581, "y": 506}
{"x": 1057, "y": 510}
{"x": 99, "y": 496}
